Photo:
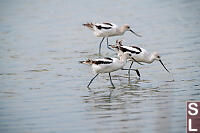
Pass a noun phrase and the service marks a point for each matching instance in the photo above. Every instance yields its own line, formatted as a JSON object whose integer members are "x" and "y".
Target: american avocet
{"x": 107, "y": 65}
{"x": 137, "y": 54}
{"x": 108, "y": 30}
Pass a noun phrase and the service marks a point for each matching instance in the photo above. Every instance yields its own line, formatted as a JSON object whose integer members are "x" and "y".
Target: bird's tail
{"x": 89, "y": 25}
{"x": 113, "y": 46}
{"x": 89, "y": 62}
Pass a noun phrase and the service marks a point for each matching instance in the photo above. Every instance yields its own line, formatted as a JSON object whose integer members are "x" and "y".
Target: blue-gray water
{"x": 43, "y": 87}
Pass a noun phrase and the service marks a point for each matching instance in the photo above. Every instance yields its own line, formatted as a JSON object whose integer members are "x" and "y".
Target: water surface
{"x": 43, "y": 87}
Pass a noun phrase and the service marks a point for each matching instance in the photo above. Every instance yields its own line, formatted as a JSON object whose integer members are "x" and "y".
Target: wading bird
{"x": 107, "y": 65}
{"x": 108, "y": 30}
{"x": 137, "y": 54}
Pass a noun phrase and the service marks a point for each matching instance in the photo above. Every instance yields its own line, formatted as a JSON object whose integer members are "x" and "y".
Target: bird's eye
{"x": 129, "y": 54}
{"x": 158, "y": 56}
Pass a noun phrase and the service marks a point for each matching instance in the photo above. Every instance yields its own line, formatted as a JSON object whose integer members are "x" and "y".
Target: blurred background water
{"x": 43, "y": 87}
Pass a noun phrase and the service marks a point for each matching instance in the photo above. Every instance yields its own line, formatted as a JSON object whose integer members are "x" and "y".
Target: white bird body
{"x": 138, "y": 54}
{"x": 106, "y": 68}
{"x": 141, "y": 55}
{"x": 108, "y": 30}
{"x": 107, "y": 65}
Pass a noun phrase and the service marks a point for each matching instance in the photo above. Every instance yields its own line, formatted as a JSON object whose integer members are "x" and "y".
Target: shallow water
{"x": 43, "y": 87}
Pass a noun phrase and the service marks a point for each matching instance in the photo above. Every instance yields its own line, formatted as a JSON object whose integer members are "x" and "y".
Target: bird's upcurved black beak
{"x": 135, "y": 33}
{"x": 164, "y": 66}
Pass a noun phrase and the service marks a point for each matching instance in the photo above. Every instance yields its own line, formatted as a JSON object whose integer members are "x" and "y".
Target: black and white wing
{"x": 105, "y": 26}
{"x": 105, "y": 60}
{"x": 131, "y": 49}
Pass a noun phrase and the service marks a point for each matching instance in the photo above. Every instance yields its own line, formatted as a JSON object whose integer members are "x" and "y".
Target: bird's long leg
{"x": 108, "y": 45}
{"x": 100, "y": 45}
{"x": 136, "y": 70}
{"x": 129, "y": 71}
{"x": 111, "y": 81}
{"x": 92, "y": 80}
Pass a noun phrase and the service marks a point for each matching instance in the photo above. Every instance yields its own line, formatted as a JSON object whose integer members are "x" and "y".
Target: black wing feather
{"x": 101, "y": 27}
{"x": 127, "y": 50}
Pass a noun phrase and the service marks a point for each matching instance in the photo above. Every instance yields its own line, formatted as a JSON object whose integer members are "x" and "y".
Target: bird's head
{"x": 156, "y": 56}
{"x": 127, "y": 27}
